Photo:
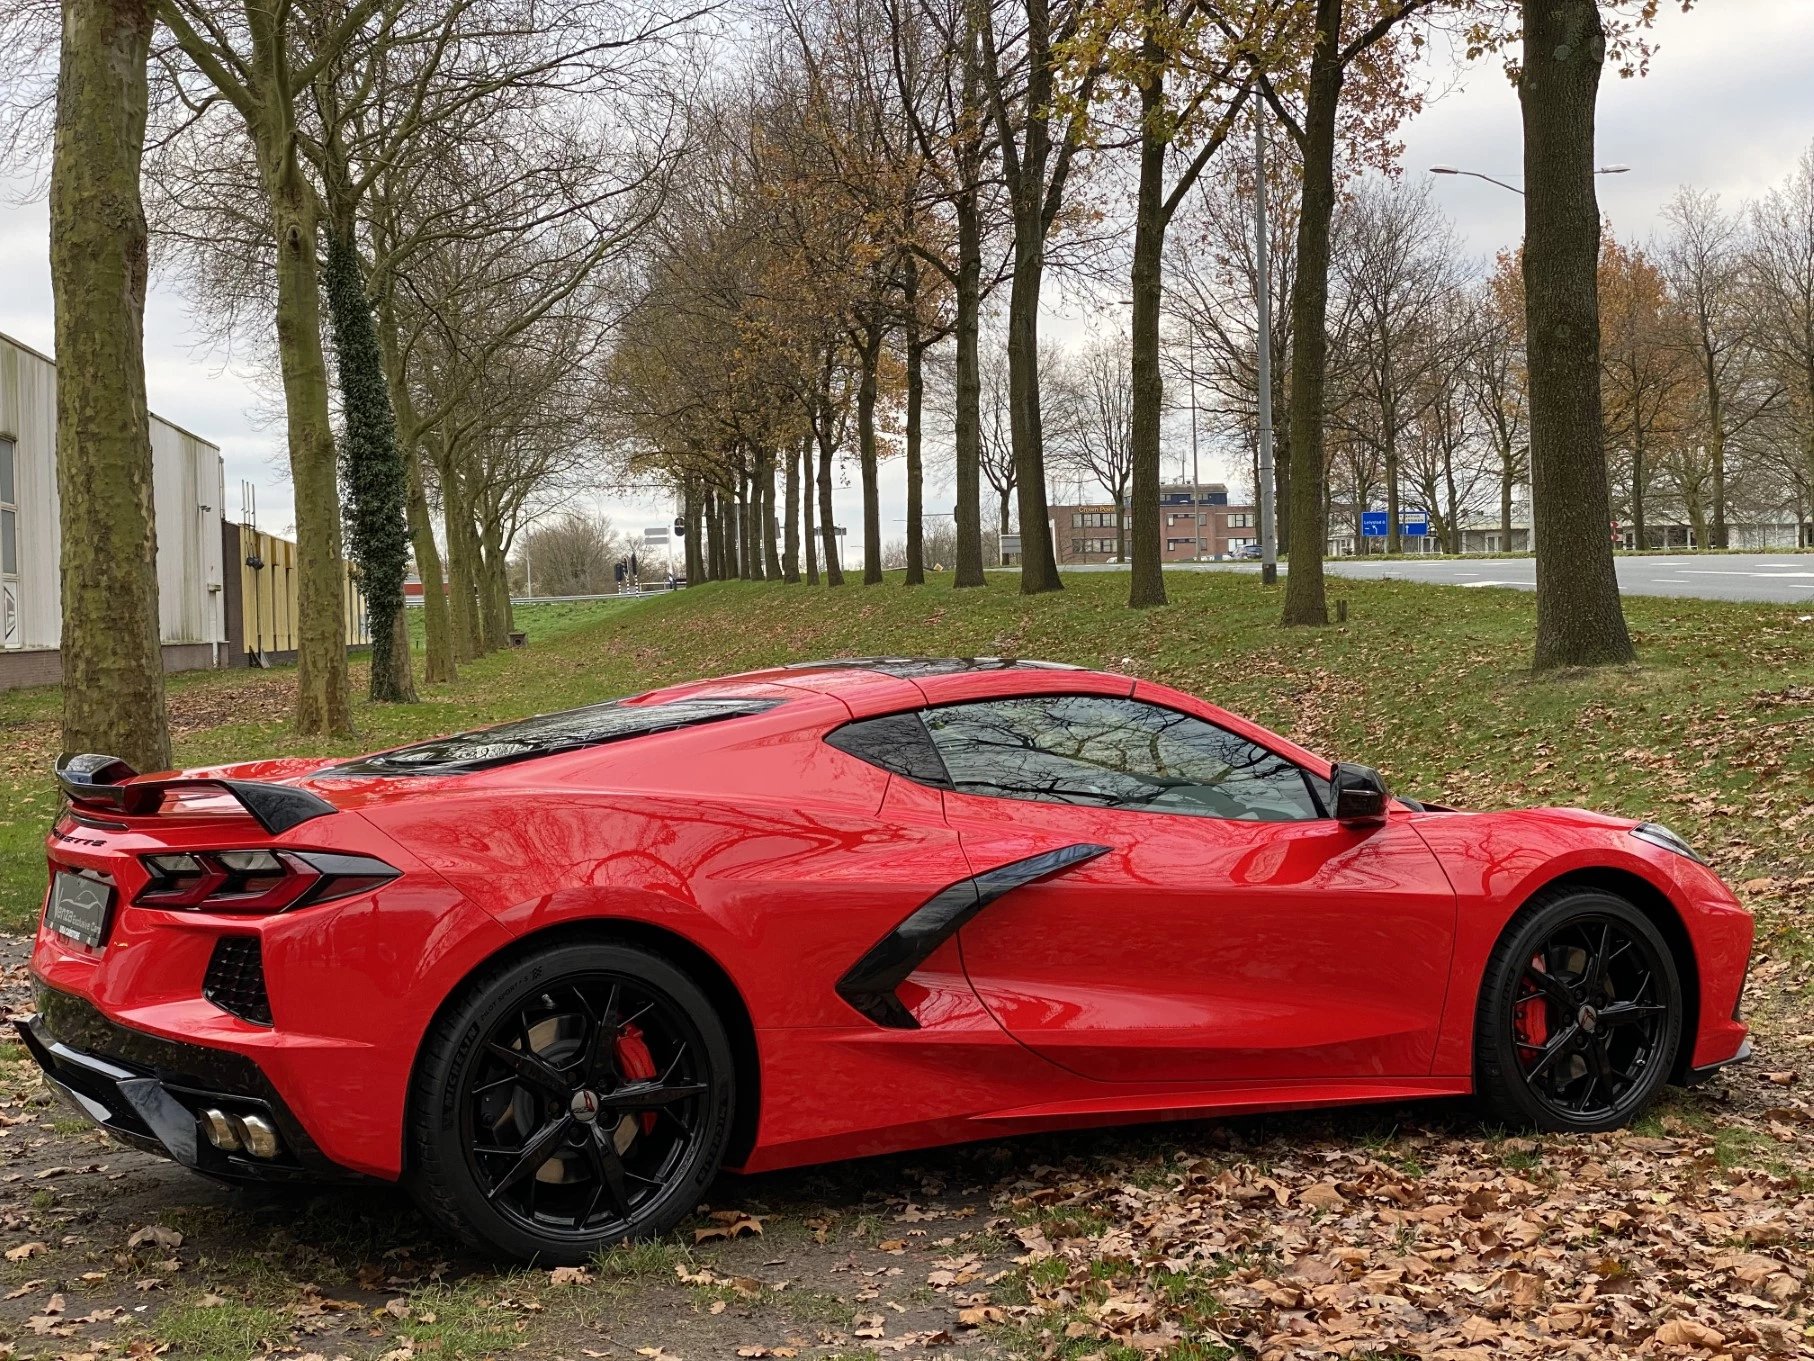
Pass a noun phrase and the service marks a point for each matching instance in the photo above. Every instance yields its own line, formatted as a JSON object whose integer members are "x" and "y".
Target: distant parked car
{"x": 1250, "y": 550}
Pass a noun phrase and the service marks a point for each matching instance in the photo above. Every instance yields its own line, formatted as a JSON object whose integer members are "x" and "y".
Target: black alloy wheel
{"x": 580, "y": 1097}
{"x": 1580, "y": 1014}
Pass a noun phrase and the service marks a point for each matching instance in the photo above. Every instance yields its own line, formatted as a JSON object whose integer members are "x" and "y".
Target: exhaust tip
{"x": 220, "y": 1130}
{"x": 259, "y": 1136}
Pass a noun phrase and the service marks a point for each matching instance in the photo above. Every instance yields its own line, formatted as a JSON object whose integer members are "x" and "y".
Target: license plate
{"x": 80, "y": 907}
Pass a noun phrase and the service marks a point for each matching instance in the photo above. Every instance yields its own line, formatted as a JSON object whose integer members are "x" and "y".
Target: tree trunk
{"x": 462, "y": 574}
{"x": 689, "y": 500}
{"x": 1395, "y": 542}
{"x": 1639, "y": 535}
{"x": 1579, "y": 619}
{"x": 437, "y": 653}
{"x": 1146, "y": 584}
{"x": 438, "y": 666}
{"x": 1507, "y": 479}
{"x": 968, "y": 432}
{"x": 808, "y": 486}
{"x": 1716, "y": 450}
{"x": 834, "y": 573}
{"x": 1007, "y": 509}
{"x": 790, "y": 554}
{"x": 870, "y": 354}
{"x": 770, "y": 552}
{"x": 916, "y": 477}
{"x": 494, "y": 590}
{"x": 372, "y": 468}
{"x": 323, "y": 697}
{"x": 1305, "y": 599}
{"x": 1281, "y": 460}
{"x": 113, "y": 666}
{"x": 1038, "y": 566}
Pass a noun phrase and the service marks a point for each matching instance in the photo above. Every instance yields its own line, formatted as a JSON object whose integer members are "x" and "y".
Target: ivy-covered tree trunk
{"x": 371, "y": 469}
{"x": 113, "y": 670}
{"x": 1580, "y": 621}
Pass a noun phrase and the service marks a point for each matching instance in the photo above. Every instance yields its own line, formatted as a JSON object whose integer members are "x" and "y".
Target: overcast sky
{"x": 1728, "y": 106}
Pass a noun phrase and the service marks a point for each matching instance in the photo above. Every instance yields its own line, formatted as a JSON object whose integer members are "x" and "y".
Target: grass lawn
{"x": 1026, "y": 1249}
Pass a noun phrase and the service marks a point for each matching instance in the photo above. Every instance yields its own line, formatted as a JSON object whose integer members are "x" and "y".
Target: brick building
{"x": 1211, "y": 528}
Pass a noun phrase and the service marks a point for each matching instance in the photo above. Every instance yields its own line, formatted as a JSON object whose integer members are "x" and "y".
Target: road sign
{"x": 1010, "y": 546}
{"x": 656, "y": 535}
{"x": 1412, "y": 524}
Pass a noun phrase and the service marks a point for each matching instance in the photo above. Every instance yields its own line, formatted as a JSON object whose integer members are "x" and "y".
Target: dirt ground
{"x": 1387, "y": 1232}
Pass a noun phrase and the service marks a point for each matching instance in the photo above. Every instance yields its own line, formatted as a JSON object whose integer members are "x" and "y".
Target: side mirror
{"x": 1360, "y": 795}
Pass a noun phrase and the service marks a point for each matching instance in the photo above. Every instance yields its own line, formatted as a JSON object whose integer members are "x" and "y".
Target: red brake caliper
{"x": 637, "y": 1064}
{"x": 1530, "y": 1017}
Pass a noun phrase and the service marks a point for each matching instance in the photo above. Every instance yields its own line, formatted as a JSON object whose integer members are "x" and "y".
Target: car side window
{"x": 1115, "y": 753}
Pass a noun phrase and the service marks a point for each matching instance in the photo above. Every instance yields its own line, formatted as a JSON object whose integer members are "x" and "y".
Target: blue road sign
{"x": 1412, "y": 524}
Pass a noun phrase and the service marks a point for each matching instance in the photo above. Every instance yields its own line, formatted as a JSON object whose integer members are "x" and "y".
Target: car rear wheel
{"x": 1580, "y": 1014}
{"x": 573, "y": 1098}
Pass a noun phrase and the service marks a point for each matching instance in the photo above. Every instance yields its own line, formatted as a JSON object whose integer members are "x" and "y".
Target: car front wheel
{"x": 1580, "y": 1014}
{"x": 573, "y": 1098}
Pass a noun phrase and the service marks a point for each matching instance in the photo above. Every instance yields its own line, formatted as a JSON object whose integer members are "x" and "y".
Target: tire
{"x": 1562, "y": 1043}
{"x": 568, "y": 1100}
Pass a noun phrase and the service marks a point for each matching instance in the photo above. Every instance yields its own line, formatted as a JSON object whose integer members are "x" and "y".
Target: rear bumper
{"x": 149, "y": 1092}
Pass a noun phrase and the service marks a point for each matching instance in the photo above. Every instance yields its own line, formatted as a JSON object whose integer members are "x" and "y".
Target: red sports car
{"x": 554, "y": 975}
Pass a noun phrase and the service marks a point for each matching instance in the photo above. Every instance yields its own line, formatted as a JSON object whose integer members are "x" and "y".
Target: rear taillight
{"x": 256, "y": 881}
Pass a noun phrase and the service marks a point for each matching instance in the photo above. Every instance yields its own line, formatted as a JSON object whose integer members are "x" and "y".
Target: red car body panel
{"x": 1200, "y": 966}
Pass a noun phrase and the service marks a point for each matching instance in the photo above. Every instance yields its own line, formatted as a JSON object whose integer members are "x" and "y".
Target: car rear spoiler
{"x": 100, "y": 783}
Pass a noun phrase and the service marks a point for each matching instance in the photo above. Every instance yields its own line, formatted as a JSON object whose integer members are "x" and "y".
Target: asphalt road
{"x": 1781, "y": 578}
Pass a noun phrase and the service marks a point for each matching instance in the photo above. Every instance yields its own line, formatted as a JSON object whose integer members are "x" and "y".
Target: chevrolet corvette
{"x": 553, "y": 976}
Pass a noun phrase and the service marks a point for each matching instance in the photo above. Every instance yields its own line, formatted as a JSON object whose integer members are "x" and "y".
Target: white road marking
{"x": 1495, "y": 583}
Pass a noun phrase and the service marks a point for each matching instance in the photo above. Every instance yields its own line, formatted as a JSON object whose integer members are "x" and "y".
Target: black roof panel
{"x": 907, "y": 668}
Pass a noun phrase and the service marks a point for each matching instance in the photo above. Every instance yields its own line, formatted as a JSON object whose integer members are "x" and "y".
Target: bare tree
{"x": 1090, "y": 424}
{"x": 1040, "y": 104}
{"x": 1703, "y": 259}
{"x": 1397, "y": 278}
{"x": 1781, "y": 270}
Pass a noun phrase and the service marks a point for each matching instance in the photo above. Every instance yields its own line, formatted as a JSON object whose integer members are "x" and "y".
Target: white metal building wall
{"x": 188, "y": 484}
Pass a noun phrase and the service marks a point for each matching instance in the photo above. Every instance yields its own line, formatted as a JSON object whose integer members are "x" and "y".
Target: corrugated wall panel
{"x": 186, "y": 487}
